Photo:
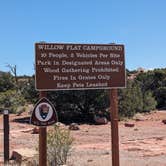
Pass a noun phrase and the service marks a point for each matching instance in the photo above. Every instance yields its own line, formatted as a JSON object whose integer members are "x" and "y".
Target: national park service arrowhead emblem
{"x": 44, "y": 113}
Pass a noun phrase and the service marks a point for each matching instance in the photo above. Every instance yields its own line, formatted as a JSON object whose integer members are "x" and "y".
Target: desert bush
{"x": 130, "y": 100}
{"x": 79, "y": 106}
{"x": 6, "y": 82}
{"x": 155, "y": 82}
{"x": 28, "y": 90}
{"x": 149, "y": 102}
{"x": 160, "y": 94}
{"x": 11, "y": 100}
{"x": 59, "y": 143}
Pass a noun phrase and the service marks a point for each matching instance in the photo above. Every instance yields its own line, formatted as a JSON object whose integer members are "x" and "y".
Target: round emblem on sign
{"x": 44, "y": 113}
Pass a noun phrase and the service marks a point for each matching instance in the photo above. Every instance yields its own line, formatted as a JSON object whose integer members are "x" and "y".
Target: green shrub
{"x": 149, "y": 102}
{"x": 59, "y": 143}
{"x": 160, "y": 94}
{"x": 11, "y": 100}
{"x": 79, "y": 106}
{"x": 28, "y": 90}
{"x": 130, "y": 100}
{"x": 6, "y": 82}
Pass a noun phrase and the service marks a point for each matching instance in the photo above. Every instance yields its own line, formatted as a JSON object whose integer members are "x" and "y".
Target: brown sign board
{"x": 61, "y": 66}
{"x": 44, "y": 113}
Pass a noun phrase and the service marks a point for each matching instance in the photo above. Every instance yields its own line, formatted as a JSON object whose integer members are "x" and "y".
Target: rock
{"x": 90, "y": 160}
{"x": 20, "y": 110}
{"x": 25, "y": 154}
{"x": 164, "y": 121}
{"x": 59, "y": 124}
{"x": 159, "y": 138}
{"x": 129, "y": 124}
{"x": 30, "y": 109}
{"x": 100, "y": 120}
{"x": 35, "y": 130}
{"x": 135, "y": 129}
{"x": 74, "y": 126}
{"x": 139, "y": 117}
{"x": 106, "y": 153}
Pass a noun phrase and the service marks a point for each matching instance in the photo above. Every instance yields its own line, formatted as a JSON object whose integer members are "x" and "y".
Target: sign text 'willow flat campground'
{"x": 79, "y": 66}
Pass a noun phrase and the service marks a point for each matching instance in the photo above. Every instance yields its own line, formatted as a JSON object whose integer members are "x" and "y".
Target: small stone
{"x": 100, "y": 120}
{"x": 129, "y": 124}
{"x": 135, "y": 129}
{"x": 106, "y": 153}
{"x": 164, "y": 121}
{"x": 30, "y": 109}
{"x": 74, "y": 126}
{"x": 139, "y": 117}
{"x": 35, "y": 130}
{"x": 59, "y": 124}
{"x": 159, "y": 138}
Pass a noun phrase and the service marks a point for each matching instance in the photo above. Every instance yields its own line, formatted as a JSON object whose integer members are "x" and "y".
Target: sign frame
{"x": 54, "y": 116}
{"x": 114, "y": 122}
{"x": 93, "y": 88}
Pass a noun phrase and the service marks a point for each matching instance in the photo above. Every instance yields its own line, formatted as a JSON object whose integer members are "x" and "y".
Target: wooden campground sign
{"x": 61, "y": 66}
{"x": 79, "y": 66}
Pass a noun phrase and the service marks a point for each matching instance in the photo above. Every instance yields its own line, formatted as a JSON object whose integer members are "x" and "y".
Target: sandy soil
{"x": 141, "y": 145}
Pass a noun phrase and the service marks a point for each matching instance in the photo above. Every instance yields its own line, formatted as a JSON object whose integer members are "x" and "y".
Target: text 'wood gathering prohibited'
{"x": 79, "y": 66}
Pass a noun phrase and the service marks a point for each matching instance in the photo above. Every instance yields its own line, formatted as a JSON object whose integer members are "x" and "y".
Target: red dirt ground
{"x": 142, "y": 145}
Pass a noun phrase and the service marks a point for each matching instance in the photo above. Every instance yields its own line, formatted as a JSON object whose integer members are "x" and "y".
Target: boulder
{"x": 139, "y": 117}
{"x": 74, "y": 126}
{"x": 100, "y": 120}
{"x": 24, "y": 154}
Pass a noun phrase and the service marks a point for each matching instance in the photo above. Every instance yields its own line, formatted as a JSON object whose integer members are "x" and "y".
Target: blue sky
{"x": 138, "y": 24}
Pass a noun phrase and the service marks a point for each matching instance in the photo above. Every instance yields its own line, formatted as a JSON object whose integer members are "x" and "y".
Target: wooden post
{"x": 43, "y": 140}
{"x": 114, "y": 127}
{"x": 6, "y": 136}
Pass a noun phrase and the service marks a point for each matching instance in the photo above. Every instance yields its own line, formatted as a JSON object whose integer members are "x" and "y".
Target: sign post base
{"x": 42, "y": 146}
